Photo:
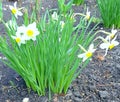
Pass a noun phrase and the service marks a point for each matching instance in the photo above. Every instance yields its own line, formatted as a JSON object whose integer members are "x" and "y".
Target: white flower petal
{"x": 21, "y": 29}
{"x": 106, "y": 52}
{"x": 104, "y": 45}
{"x": 115, "y": 43}
{"x": 81, "y": 55}
{"x": 93, "y": 50}
{"x": 114, "y": 38}
{"x": 37, "y": 32}
{"x": 15, "y": 4}
{"x": 34, "y": 38}
{"x": 16, "y": 16}
{"x": 91, "y": 46}
{"x": 19, "y": 13}
{"x": 32, "y": 26}
{"x": 84, "y": 59}
{"x": 11, "y": 7}
{"x": 113, "y": 31}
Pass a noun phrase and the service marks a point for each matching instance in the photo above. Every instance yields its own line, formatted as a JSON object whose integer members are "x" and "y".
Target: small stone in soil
{"x": 103, "y": 94}
{"x": 23, "y": 93}
{"x": 76, "y": 93}
{"x": 78, "y": 99}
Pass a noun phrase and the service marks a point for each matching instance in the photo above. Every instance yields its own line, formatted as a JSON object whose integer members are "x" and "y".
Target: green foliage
{"x": 110, "y": 12}
{"x": 51, "y": 60}
{"x": 78, "y": 2}
{"x": 65, "y": 6}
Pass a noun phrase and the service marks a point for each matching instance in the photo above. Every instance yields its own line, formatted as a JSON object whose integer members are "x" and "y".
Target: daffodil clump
{"x": 44, "y": 52}
{"x": 48, "y": 53}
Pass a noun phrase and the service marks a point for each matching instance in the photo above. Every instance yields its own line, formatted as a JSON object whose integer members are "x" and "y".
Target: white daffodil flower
{"x": 31, "y": 31}
{"x": 19, "y": 39}
{"x": 87, "y": 54}
{"x": 16, "y": 11}
{"x": 109, "y": 44}
{"x": 112, "y": 34}
{"x": 87, "y": 16}
{"x": 11, "y": 25}
{"x": 55, "y": 16}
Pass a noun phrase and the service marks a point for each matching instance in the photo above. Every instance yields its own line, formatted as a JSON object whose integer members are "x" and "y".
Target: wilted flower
{"x": 16, "y": 11}
{"x": 87, "y": 54}
{"x": 55, "y": 16}
{"x": 87, "y": 16}
{"x": 109, "y": 44}
{"x": 31, "y": 31}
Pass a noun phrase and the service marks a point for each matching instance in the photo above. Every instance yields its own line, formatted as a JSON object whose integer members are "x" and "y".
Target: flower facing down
{"x": 87, "y": 16}
{"x": 16, "y": 11}
{"x": 55, "y": 16}
{"x": 109, "y": 44}
{"x": 31, "y": 31}
{"x": 87, "y": 54}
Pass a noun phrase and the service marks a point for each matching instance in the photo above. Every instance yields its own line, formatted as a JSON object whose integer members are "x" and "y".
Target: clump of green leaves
{"x": 110, "y": 12}
{"x": 45, "y": 52}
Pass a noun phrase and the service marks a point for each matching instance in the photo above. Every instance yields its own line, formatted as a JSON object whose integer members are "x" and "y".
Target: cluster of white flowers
{"x": 108, "y": 44}
{"x": 23, "y": 33}
{"x": 110, "y": 41}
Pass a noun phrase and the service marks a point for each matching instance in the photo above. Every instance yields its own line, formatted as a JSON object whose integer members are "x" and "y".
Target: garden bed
{"x": 98, "y": 82}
